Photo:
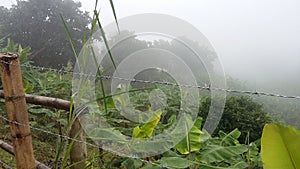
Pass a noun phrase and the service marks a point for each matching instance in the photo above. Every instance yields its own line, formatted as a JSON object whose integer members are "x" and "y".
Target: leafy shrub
{"x": 240, "y": 112}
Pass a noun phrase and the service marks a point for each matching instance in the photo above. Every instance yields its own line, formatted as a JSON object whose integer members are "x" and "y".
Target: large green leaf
{"x": 107, "y": 134}
{"x": 130, "y": 163}
{"x": 216, "y": 153}
{"x": 280, "y": 147}
{"x": 147, "y": 129}
{"x": 176, "y": 162}
{"x": 230, "y": 139}
{"x": 239, "y": 165}
{"x": 192, "y": 142}
{"x": 150, "y": 166}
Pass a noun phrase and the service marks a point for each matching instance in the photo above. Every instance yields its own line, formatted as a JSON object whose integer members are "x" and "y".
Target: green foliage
{"x": 132, "y": 44}
{"x": 240, "y": 112}
{"x": 284, "y": 111}
{"x": 193, "y": 141}
{"x": 217, "y": 153}
{"x": 231, "y": 138}
{"x": 220, "y": 152}
{"x": 147, "y": 129}
{"x": 196, "y": 150}
{"x": 176, "y": 162}
{"x": 107, "y": 134}
{"x": 37, "y": 24}
{"x": 131, "y": 163}
{"x": 280, "y": 147}
{"x": 223, "y": 150}
{"x": 42, "y": 83}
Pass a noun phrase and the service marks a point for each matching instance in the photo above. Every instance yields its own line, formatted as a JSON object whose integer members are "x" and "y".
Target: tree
{"x": 4, "y": 13}
{"x": 126, "y": 43}
{"x": 38, "y": 24}
{"x": 240, "y": 112}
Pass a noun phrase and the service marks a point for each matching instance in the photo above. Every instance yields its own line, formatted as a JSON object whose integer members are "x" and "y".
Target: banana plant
{"x": 193, "y": 141}
{"x": 199, "y": 150}
{"x": 147, "y": 129}
{"x": 280, "y": 147}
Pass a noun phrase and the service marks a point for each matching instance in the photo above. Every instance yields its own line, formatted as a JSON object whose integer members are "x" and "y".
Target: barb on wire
{"x": 209, "y": 88}
{"x": 83, "y": 142}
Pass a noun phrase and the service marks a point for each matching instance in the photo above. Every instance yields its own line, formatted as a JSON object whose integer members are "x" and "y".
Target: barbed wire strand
{"x": 131, "y": 80}
{"x": 205, "y": 87}
{"x": 83, "y": 142}
{"x": 4, "y": 165}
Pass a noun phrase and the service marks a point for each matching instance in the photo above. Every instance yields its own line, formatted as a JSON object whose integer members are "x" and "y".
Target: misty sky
{"x": 256, "y": 40}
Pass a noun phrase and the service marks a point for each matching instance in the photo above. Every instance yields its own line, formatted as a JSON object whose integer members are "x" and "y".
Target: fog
{"x": 257, "y": 41}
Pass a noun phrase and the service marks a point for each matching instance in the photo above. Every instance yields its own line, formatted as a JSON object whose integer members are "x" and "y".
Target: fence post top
{"x": 9, "y": 56}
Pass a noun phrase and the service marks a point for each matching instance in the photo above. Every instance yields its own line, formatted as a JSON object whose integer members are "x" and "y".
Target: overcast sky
{"x": 257, "y": 40}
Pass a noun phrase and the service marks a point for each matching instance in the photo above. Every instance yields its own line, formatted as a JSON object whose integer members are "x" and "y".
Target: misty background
{"x": 257, "y": 41}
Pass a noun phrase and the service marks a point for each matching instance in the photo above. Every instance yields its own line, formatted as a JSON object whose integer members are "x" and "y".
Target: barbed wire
{"x": 83, "y": 142}
{"x": 205, "y": 87}
{"x": 62, "y": 71}
{"x": 6, "y": 166}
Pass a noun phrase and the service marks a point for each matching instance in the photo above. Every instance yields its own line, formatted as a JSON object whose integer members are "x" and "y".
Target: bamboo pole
{"x": 17, "y": 110}
{"x": 45, "y": 101}
{"x": 8, "y": 148}
{"x": 79, "y": 152}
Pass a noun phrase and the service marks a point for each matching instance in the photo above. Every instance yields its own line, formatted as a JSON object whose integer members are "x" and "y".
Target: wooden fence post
{"x": 17, "y": 111}
{"x": 78, "y": 152}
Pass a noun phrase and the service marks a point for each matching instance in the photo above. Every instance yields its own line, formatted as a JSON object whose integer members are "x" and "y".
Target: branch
{"x": 45, "y": 101}
{"x": 8, "y": 148}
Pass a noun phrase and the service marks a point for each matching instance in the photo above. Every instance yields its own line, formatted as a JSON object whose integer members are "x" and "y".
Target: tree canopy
{"x": 240, "y": 112}
{"x": 38, "y": 24}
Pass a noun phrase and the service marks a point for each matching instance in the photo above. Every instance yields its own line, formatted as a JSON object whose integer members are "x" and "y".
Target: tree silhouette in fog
{"x": 37, "y": 24}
